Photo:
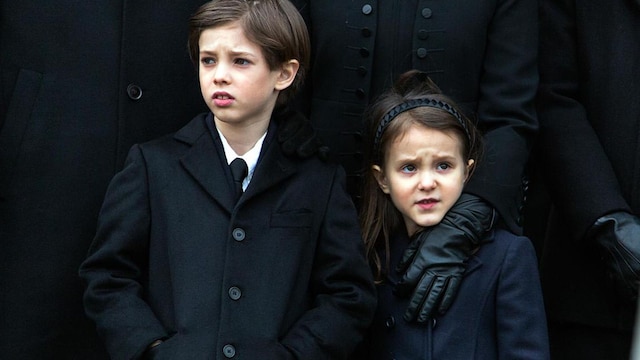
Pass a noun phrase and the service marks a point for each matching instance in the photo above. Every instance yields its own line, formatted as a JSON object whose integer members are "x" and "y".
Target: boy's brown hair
{"x": 275, "y": 26}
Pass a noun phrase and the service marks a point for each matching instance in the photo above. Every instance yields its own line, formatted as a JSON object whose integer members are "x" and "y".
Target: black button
{"x": 426, "y": 13}
{"x": 362, "y": 71}
{"x": 229, "y": 351}
{"x": 134, "y": 92}
{"x": 390, "y": 322}
{"x": 423, "y": 34}
{"x": 366, "y": 32}
{"x": 360, "y": 93}
{"x": 422, "y": 53}
{"x": 367, "y": 9}
{"x": 238, "y": 234}
{"x": 235, "y": 293}
{"x": 364, "y": 52}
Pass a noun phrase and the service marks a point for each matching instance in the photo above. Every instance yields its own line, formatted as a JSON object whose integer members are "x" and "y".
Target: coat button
{"x": 235, "y": 293}
{"x": 367, "y": 9}
{"x": 426, "y": 13}
{"x": 364, "y": 52}
{"x": 134, "y": 92}
{"x": 390, "y": 323}
{"x": 238, "y": 234}
{"x": 360, "y": 93}
{"x": 422, "y": 53}
{"x": 229, "y": 351}
{"x": 423, "y": 34}
{"x": 366, "y": 32}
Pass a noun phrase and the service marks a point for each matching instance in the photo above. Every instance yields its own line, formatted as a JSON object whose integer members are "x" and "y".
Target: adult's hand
{"x": 617, "y": 235}
{"x": 435, "y": 261}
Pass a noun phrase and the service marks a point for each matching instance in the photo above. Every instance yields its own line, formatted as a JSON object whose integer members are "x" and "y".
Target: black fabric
{"x": 239, "y": 171}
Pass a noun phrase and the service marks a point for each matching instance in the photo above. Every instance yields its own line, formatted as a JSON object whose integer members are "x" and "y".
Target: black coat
{"x": 498, "y": 312}
{"x": 70, "y": 108}
{"x": 174, "y": 256}
{"x": 481, "y": 53}
{"x": 589, "y": 148}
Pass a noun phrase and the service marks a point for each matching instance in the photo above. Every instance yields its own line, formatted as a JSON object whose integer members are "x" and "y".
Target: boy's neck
{"x": 242, "y": 138}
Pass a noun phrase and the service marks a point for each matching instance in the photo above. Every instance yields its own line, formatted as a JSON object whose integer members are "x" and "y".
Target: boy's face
{"x": 424, "y": 174}
{"x": 235, "y": 79}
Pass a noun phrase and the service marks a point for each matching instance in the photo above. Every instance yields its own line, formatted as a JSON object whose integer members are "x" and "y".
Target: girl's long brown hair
{"x": 379, "y": 218}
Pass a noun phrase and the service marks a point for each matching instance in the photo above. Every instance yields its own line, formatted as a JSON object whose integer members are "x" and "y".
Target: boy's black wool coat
{"x": 173, "y": 256}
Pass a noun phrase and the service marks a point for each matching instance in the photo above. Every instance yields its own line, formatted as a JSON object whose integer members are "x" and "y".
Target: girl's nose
{"x": 427, "y": 180}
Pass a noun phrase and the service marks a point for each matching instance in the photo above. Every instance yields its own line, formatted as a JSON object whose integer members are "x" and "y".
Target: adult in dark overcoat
{"x": 81, "y": 81}
{"x": 589, "y": 156}
{"x": 284, "y": 268}
{"x": 481, "y": 53}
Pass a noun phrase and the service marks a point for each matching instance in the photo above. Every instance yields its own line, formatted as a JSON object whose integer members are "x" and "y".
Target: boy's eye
{"x": 408, "y": 168}
{"x": 242, "y": 62}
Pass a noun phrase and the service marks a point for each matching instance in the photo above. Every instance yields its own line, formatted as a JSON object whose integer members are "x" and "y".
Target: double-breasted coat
{"x": 481, "y": 53}
{"x": 81, "y": 81}
{"x": 175, "y": 258}
{"x": 589, "y": 151}
{"x": 497, "y": 314}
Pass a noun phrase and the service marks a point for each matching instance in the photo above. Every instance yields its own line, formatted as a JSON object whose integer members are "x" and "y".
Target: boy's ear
{"x": 380, "y": 178}
{"x": 288, "y": 73}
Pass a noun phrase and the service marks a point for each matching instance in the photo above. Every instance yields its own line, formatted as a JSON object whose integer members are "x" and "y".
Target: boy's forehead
{"x": 228, "y": 35}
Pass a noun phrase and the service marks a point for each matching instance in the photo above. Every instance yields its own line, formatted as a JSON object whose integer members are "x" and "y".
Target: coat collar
{"x": 205, "y": 162}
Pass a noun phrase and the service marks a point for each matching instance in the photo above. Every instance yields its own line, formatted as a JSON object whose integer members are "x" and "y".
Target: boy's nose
{"x": 221, "y": 74}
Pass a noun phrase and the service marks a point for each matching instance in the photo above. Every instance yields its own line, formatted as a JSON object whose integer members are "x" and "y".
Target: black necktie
{"x": 239, "y": 171}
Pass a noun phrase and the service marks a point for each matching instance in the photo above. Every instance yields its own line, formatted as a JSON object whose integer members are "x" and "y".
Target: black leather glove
{"x": 435, "y": 260}
{"x": 297, "y": 136}
{"x": 617, "y": 235}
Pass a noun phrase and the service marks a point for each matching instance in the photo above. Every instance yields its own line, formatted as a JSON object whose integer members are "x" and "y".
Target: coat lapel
{"x": 204, "y": 163}
{"x": 272, "y": 168}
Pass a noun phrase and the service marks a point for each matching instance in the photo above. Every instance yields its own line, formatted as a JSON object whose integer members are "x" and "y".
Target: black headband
{"x": 412, "y": 104}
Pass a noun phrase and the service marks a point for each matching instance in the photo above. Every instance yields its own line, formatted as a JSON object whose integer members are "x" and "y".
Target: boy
{"x": 180, "y": 269}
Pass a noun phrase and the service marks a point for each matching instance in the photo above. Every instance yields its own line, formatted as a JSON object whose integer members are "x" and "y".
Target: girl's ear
{"x": 380, "y": 178}
{"x": 288, "y": 73}
{"x": 470, "y": 165}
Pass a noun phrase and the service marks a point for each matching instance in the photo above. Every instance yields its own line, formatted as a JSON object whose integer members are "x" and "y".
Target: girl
{"x": 422, "y": 152}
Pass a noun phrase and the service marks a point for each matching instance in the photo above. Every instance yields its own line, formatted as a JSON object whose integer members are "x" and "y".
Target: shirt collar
{"x": 250, "y": 157}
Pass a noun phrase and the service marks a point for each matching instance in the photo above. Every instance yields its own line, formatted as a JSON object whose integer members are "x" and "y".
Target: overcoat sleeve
{"x": 342, "y": 282}
{"x": 114, "y": 269}
{"x": 506, "y": 107}
{"x": 521, "y": 320}
{"x": 579, "y": 175}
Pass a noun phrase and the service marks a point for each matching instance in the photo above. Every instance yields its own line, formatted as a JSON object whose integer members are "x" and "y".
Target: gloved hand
{"x": 435, "y": 260}
{"x": 296, "y": 135}
{"x": 617, "y": 235}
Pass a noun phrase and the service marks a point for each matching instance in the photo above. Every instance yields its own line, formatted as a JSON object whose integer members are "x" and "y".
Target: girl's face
{"x": 235, "y": 79}
{"x": 424, "y": 172}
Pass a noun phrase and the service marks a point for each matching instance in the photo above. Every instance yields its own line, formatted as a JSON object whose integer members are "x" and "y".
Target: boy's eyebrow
{"x": 233, "y": 53}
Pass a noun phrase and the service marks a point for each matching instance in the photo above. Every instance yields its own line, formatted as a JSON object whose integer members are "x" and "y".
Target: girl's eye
{"x": 208, "y": 61}
{"x": 408, "y": 168}
{"x": 242, "y": 62}
{"x": 443, "y": 166}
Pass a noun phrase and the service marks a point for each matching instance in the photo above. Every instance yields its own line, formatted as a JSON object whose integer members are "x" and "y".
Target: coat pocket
{"x": 296, "y": 218}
